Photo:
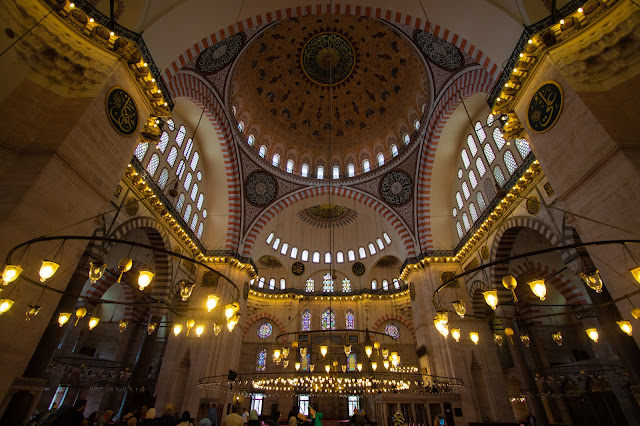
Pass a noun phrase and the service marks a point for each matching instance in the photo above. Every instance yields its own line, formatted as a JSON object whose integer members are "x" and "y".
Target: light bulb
{"x": 63, "y": 317}
{"x": 144, "y": 278}
{"x": 10, "y": 274}
{"x": 557, "y": 337}
{"x": 190, "y": 324}
{"x": 368, "y": 350}
{"x": 80, "y": 313}
{"x": 231, "y": 309}
{"x": 327, "y": 368}
{"x": 386, "y": 364}
{"x": 324, "y": 350}
{"x": 123, "y": 266}
{"x": 96, "y": 270}
{"x": 217, "y": 328}
{"x": 475, "y": 338}
{"x": 444, "y": 330}
{"x": 122, "y": 326}
{"x": 93, "y": 322}
{"x": 5, "y": 305}
{"x": 276, "y": 353}
{"x": 491, "y": 297}
{"x": 212, "y": 302}
{"x": 593, "y": 334}
{"x": 455, "y": 333}
{"x": 199, "y": 330}
{"x": 47, "y": 270}
{"x": 232, "y": 322}
{"x": 460, "y": 308}
{"x": 374, "y": 366}
{"x": 177, "y": 329}
{"x": 625, "y": 326}
{"x": 538, "y": 288}
{"x": 593, "y": 280}
{"x": 359, "y": 366}
{"x": 497, "y": 338}
{"x": 303, "y": 351}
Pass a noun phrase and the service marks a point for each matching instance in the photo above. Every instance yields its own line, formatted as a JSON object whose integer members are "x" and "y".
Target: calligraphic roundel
{"x": 545, "y": 106}
{"x": 122, "y": 111}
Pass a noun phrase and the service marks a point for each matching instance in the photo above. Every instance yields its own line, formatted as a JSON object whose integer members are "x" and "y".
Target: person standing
{"x": 253, "y": 418}
{"x": 245, "y": 416}
{"x": 233, "y": 419}
{"x": 167, "y": 419}
{"x": 212, "y": 415}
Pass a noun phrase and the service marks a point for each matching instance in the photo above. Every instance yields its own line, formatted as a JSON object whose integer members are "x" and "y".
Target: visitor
{"x": 212, "y": 415}
{"x": 150, "y": 418}
{"x": 245, "y": 416}
{"x": 142, "y": 412}
{"x": 293, "y": 420}
{"x": 167, "y": 419}
{"x": 233, "y": 419}
{"x": 185, "y": 420}
{"x": 105, "y": 418}
{"x": 205, "y": 422}
{"x": 74, "y": 417}
{"x": 275, "y": 418}
{"x": 253, "y": 418}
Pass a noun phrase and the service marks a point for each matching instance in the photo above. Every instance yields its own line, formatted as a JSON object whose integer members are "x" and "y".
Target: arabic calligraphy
{"x": 122, "y": 111}
{"x": 545, "y": 107}
{"x": 328, "y": 58}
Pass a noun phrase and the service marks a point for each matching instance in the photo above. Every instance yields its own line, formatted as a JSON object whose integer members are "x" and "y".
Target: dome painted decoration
{"x": 440, "y": 52}
{"x": 260, "y": 188}
{"x": 221, "y": 54}
{"x": 395, "y": 188}
{"x": 328, "y": 58}
{"x": 325, "y": 215}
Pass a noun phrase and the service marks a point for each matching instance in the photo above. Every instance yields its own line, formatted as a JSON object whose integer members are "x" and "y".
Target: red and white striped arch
{"x": 395, "y": 317}
{"x": 264, "y": 315}
{"x": 350, "y": 193}
{"x": 337, "y": 9}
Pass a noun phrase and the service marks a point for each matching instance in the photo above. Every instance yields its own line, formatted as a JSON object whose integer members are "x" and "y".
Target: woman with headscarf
{"x": 185, "y": 420}
{"x": 150, "y": 418}
{"x": 205, "y": 422}
{"x": 253, "y": 418}
{"x": 212, "y": 415}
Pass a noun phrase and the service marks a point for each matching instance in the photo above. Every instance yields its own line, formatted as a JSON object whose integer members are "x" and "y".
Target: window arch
{"x": 328, "y": 319}
{"x": 283, "y": 284}
{"x": 380, "y": 158}
{"x": 488, "y": 152}
{"x": 164, "y": 141}
{"x": 394, "y": 150}
{"x": 465, "y": 221}
{"x": 187, "y": 212}
{"x": 284, "y": 249}
{"x": 465, "y": 191}
{"x": 473, "y": 212}
{"x": 194, "y": 161}
{"x": 351, "y": 170}
{"x": 480, "y": 132}
{"x": 152, "y": 166}
{"x": 327, "y": 283}
{"x": 188, "y": 148}
{"x": 351, "y": 255}
{"x": 346, "y": 285}
{"x": 523, "y": 147}
{"x": 472, "y": 179}
{"x": 171, "y": 124}
{"x": 294, "y": 252}
{"x": 362, "y": 253}
{"x": 306, "y": 320}
{"x": 372, "y": 249}
{"x": 180, "y": 169}
{"x": 459, "y": 200}
{"x": 289, "y": 166}
{"x": 304, "y": 256}
{"x": 173, "y": 154}
{"x": 316, "y": 257}
{"x": 180, "y": 202}
{"x": 200, "y": 202}
{"x": 350, "y": 319}
{"x": 490, "y": 120}
{"x": 336, "y": 172}
{"x": 200, "y": 229}
{"x": 270, "y": 238}
{"x": 498, "y": 138}
{"x": 396, "y": 284}
{"x": 194, "y": 222}
{"x": 262, "y": 151}
{"x": 339, "y": 257}
{"x": 385, "y": 285}
{"x": 187, "y": 181}
{"x": 261, "y": 360}
{"x": 320, "y": 172}
{"x": 272, "y": 284}
{"x": 386, "y": 237}
{"x": 480, "y": 200}
{"x": 164, "y": 177}
{"x": 510, "y": 162}
{"x": 380, "y": 243}
{"x": 304, "y": 170}
{"x": 406, "y": 138}
{"x": 241, "y": 126}
{"x": 327, "y": 257}
{"x": 310, "y": 286}
{"x": 182, "y": 132}
{"x": 276, "y": 243}
{"x": 275, "y": 160}
{"x": 194, "y": 192}
{"x": 141, "y": 150}
{"x": 366, "y": 166}
{"x": 480, "y": 166}
{"x": 459, "y": 229}
{"x": 465, "y": 158}
{"x": 374, "y": 285}
{"x": 471, "y": 143}
{"x": 251, "y": 140}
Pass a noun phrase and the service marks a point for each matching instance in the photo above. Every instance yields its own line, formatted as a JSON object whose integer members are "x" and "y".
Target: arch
{"x": 394, "y": 220}
{"x": 190, "y": 86}
{"x": 264, "y": 315}
{"x": 396, "y": 317}
{"x": 337, "y": 9}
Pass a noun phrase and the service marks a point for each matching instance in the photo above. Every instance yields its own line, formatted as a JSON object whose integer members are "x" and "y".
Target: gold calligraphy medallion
{"x": 545, "y": 107}
{"x": 122, "y": 111}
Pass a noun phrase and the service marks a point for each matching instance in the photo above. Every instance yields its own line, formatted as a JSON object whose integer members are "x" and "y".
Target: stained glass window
{"x": 406, "y": 138}
{"x": 498, "y": 138}
{"x": 289, "y": 166}
{"x": 311, "y": 285}
{"x": 488, "y": 152}
{"x": 188, "y": 148}
{"x": 351, "y": 362}
{"x": 523, "y": 147}
{"x": 459, "y": 229}
{"x": 465, "y": 158}
{"x": 480, "y": 200}
{"x": 305, "y": 362}
{"x": 164, "y": 141}
{"x": 392, "y": 330}
{"x": 164, "y": 177}
{"x": 346, "y": 285}
{"x": 510, "y": 162}
{"x": 320, "y": 172}
{"x": 304, "y": 171}
{"x": 180, "y": 202}
{"x": 351, "y": 170}
{"x": 365, "y": 166}
{"x": 471, "y": 143}
{"x": 171, "y": 158}
{"x": 351, "y": 320}
{"x": 380, "y": 159}
{"x": 251, "y": 139}
{"x": 194, "y": 163}
{"x": 480, "y": 132}
{"x": 275, "y": 160}
{"x": 262, "y": 151}
{"x": 336, "y": 172}
{"x": 328, "y": 319}
{"x": 182, "y": 132}
{"x": 480, "y": 166}
{"x": 141, "y": 150}
{"x": 153, "y": 165}
{"x": 472, "y": 179}
{"x": 306, "y": 320}
{"x": 265, "y": 330}
{"x": 261, "y": 360}
{"x": 327, "y": 283}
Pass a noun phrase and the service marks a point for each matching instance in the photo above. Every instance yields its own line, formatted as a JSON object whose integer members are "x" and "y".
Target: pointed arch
{"x": 277, "y": 321}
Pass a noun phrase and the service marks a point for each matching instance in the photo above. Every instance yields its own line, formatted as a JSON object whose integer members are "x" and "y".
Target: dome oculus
{"x": 328, "y": 59}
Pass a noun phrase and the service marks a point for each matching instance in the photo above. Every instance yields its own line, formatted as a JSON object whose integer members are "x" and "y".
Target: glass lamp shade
{"x": 10, "y": 274}
{"x": 324, "y": 350}
{"x": 368, "y": 350}
{"x": 285, "y": 352}
{"x": 625, "y": 326}
{"x": 212, "y": 302}
{"x": 32, "y": 311}
{"x": 190, "y": 324}
{"x": 96, "y": 270}
{"x": 312, "y": 367}
{"x": 460, "y": 308}
{"x": 509, "y": 282}
{"x": 297, "y": 365}
{"x": 497, "y": 338}
{"x": 557, "y": 337}
{"x": 593, "y": 280}
{"x": 122, "y": 325}
{"x": 217, "y": 328}
{"x": 151, "y": 327}
{"x": 294, "y": 344}
{"x": 344, "y": 368}
{"x": 491, "y": 297}
{"x": 455, "y": 333}
{"x": 93, "y": 322}
{"x": 538, "y": 288}
{"x": 385, "y": 363}
{"x": 232, "y": 322}
{"x": 525, "y": 339}
{"x": 5, "y": 305}
{"x": 327, "y": 368}
{"x": 199, "y": 330}
{"x": 475, "y": 338}
{"x": 47, "y": 269}
{"x": 63, "y": 317}
{"x": 177, "y": 329}
{"x": 636, "y": 313}
{"x": 443, "y": 317}
{"x": 285, "y": 363}
{"x": 231, "y": 309}
{"x": 593, "y": 334}
{"x": 385, "y": 353}
{"x": 123, "y": 266}
{"x": 359, "y": 366}
{"x": 303, "y": 351}
{"x": 376, "y": 345}
{"x": 277, "y": 360}
{"x": 144, "y": 278}
{"x": 374, "y": 366}
{"x": 636, "y": 273}
{"x": 347, "y": 349}
{"x": 508, "y": 331}
{"x": 186, "y": 289}
{"x": 80, "y": 313}
{"x": 443, "y": 329}
{"x": 276, "y": 353}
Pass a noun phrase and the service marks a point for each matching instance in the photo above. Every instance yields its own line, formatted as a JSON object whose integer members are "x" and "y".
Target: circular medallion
{"x": 545, "y": 107}
{"x": 446, "y": 276}
{"x": 440, "y": 52}
{"x": 396, "y": 188}
{"x": 122, "y": 111}
{"x": 392, "y": 331}
{"x": 220, "y": 54}
{"x": 297, "y": 268}
{"x": 265, "y": 330}
{"x": 245, "y": 291}
{"x": 210, "y": 279}
{"x": 261, "y": 188}
{"x": 131, "y": 206}
{"x": 328, "y": 58}
{"x": 358, "y": 269}
{"x": 533, "y": 205}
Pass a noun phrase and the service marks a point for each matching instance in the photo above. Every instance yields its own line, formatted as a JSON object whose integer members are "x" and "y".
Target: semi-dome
{"x": 352, "y": 89}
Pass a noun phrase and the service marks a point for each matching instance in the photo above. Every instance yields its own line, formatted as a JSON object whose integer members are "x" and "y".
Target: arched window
{"x": 289, "y": 166}
{"x": 304, "y": 170}
{"x": 465, "y": 221}
{"x": 316, "y": 257}
{"x": 380, "y": 243}
{"x": 310, "y": 285}
{"x": 480, "y": 132}
{"x": 153, "y": 164}
{"x": 275, "y": 160}
{"x": 261, "y": 282}
{"x": 284, "y": 249}
{"x": 241, "y": 126}
{"x": 480, "y": 166}
{"x": 164, "y": 141}
{"x": 204, "y": 213}
{"x": 283, "y": 284}
{"x": 490, "y": 189}
{"x": 336, "y": 172}
{"x": 262, "y": 151}
{"x": 272, "y": 284}
{"x": 328, "y": 319}
{"x": 346, "y": 285}
{"x": 173, "y": 154}
{"x": 200, "y": 229}
{"x": 327, "y": 257}
{"x": 194, "y": 192}
{"x": 465, "y": 190}
{"x": 459, "y": 173}
{"x": 396, "y": 284}
{"x": 523, "y": 147}
{"x": 490, "y": 120}
{"x": 351, "y": 170}
{"x": 270, "y": 238}
{"x": 374, "y": 285}
{"x": 488, "y": 152}
{"x": 350, "y": 319}
{"x": 454, "y": 213}
{"x": 251, "y": 140}
{"x": 510, "y": 162}
{"x": 182, "y": 132}
{"x": 180, "y": 202}
{"x": 386, "y": 237}
{"x": 187, "y": 213}
{"x": 294, "y": 252}
{"x": 194, "y": 163}
{"x": 180, "y": 169}
{"x": 385, "y": 285}
{"x": 187, "y": 181}
{"x": 188, "y": 148}
{"x": 472, "y": 179}
{"x": 498, "y": 138}
{"x": 465, "y": 158}
{"x": 380, "y": 159}
{"x": 194, "y": 222}
{"x": 394, "y": 150}
{"x": 480, "y": 200}
{"x": 164, "y": 177}
{"x": 473, "y": 212}
{"x": 304, "y": 256}
{"x": 459, "y": 200}
{"x": 306, "y": 320}
{"x": 351, "y": 255}
{"x": 416, "y": 124}
{"x": 320, "y": 172}
{"x": 276, "y": 243}
{"x": 171, "y": 124}
{"x": 327, "y": 283}
{"x": 141, "y": 150}
{"x": 459, "y": 229}
{"x": 261, "y": 360}
{"x": 406, "y": 138}
{"x": 362, "y": 253}
{"x": 200, "y": 201}
{"x": 372, "y": 249}
{"x": 471, "y": 143}
{"x": 339, "y": 257}
{"x": 365, "y": 166}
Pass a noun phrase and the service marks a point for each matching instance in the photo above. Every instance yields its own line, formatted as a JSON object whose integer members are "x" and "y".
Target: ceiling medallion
{"x": 328, "y": 58}
{"x": 358, "y": 269}
{"x": 440, "y": 52}
{"x": 325, "y": 215}
{"x": 220, "y": 54}
{"x": 395, "y": 188}
{"x": 261, "y": 188}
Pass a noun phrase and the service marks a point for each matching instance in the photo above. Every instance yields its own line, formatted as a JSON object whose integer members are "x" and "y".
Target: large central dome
{"x": 352, "y": 86}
